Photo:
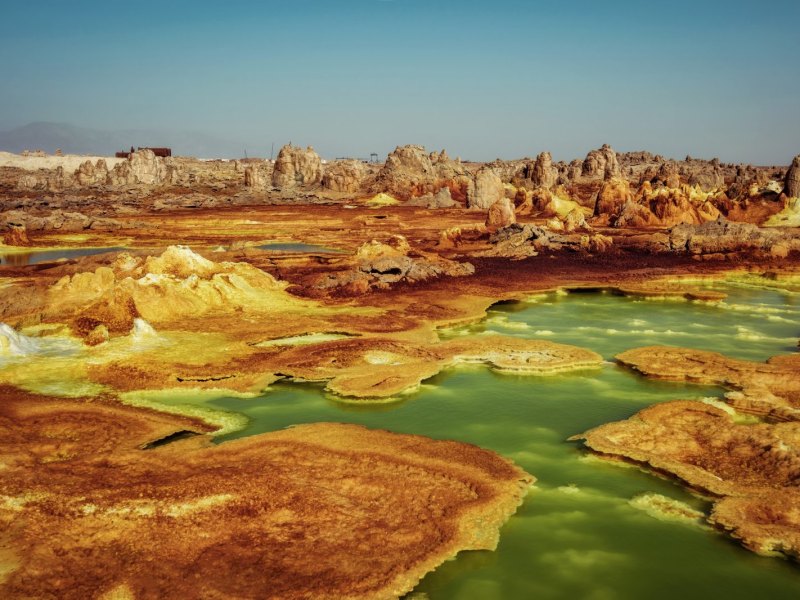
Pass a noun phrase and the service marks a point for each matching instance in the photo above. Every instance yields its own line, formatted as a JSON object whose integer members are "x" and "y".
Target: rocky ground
{"x": 424, "y": 241}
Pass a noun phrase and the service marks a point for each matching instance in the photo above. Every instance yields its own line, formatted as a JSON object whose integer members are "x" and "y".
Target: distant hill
{"x": 46, "y": 136}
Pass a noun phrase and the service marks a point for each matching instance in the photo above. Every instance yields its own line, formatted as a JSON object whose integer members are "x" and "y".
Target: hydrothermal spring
{"x": 579, "y": 533}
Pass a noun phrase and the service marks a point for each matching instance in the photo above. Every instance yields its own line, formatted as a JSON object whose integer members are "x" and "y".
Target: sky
{"x": 483, "y": 79}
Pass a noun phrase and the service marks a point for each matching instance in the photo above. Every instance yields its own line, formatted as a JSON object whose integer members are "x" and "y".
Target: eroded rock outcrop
{"x": 253, "y": 178}
{"x": 486, "y": 189}
{"x": 410, "y": 171}
{"x": 378, "y": 265}
{"x": 92, "y": 174}
{"x": 344, "y": 176}
{"x": 56, "y": 221}
{"x": 707, "y": 178}
{"x": 723, "y": 236}
{"x": 441, "y": 199}
{"x": 381, "y": 368}
{"x": 601, "y": 164}
{"x": 501, "y": 214}
{"x": 792, "y": 181}
{"x": 612, "y": 197}
{"x": 542, "y": 173}
{"x": 519, "y": 241}
{"x": 296, "y": 167}
{"x": 143, "y": 167}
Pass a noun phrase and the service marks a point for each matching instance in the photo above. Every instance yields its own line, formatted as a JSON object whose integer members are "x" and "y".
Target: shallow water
{"x": 750, "y": 323}
{"x": 20, "y": 259}
{"x": 298, "y": 247}
{"x": 576, "y": 536}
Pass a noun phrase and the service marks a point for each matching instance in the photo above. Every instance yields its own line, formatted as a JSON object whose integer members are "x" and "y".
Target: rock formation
{"x": 575, "y": 219}
{"x": 378, "y": 265}
{"x": 344, "y": 176}
{"x": 668, "y": 175}
{"x": 792, "y": 181}
{"x": 296, "y": 167}
{"x": 707, "y": 179}
{"x": 16, "y": 235}
{"x": 486, "y": 189}
{"x": 143, "y": 167}
{"x": 519, "y": 241}
{"x": 501, "y": 214}
{"x": 253, "y": 177}
{"x": 601, "y": 164}
{"x": 635, "y": 215}
{"x": 362, "y": 368}
{"x": 410, "y": 171}
{"x": 441, "y": 199}
{"x": 92, "y": 174}
{"x": 722, "y": 236}
{"x": 612, "y": 197}
{"x": 542, "y": 173}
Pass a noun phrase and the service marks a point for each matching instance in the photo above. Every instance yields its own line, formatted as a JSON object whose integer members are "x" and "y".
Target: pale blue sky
{"x": 504, "y": 78}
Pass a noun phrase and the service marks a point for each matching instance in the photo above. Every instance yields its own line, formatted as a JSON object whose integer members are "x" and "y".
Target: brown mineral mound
{"x": 754, "y": 468}
{"x": 315, "y": 511}
{"x": 770, "y": 389}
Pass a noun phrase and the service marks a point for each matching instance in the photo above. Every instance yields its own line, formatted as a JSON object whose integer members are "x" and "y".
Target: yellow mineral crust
{"x": 750, "y": 469}
{"x": 315, "y": 511}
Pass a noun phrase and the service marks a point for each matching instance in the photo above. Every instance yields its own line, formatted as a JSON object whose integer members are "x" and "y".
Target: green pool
{"x": 21, "y": 258}
{"x": 577, "y": 536}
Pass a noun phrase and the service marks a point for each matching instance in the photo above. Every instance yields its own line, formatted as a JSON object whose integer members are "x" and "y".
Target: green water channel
{"x": 298, "y": 247}
{"x": 576, "y": 535}
{"x": 21, "y": 258}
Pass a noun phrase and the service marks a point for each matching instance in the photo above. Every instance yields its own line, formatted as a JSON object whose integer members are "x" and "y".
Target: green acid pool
{"x": 577, "y": 535}
{"x": 20, "y": 257}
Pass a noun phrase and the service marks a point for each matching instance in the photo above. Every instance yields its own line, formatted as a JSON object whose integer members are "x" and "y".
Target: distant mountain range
{"x": 80, "y": 140}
